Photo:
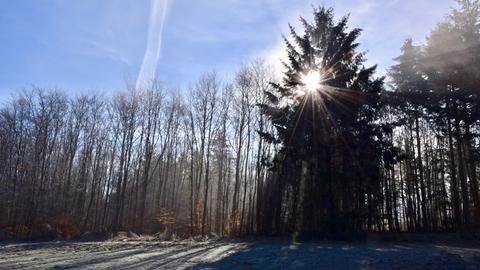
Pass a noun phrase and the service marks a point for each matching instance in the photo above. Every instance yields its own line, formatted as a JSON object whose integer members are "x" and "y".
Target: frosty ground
{"x": 264, "y": 254}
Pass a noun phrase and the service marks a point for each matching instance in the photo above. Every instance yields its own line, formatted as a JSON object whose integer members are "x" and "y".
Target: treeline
{"x": 144, "y": 160}
{"x": 330, "y": 149}
{"x": 357, "y": 154}
{"x": 437, "y": 104}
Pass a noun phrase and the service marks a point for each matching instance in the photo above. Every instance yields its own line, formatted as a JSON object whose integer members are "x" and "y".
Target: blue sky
{"x": 99, "y": 45}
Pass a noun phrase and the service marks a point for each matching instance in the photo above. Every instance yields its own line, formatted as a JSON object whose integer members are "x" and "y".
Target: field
{"x": 262, "y": 254}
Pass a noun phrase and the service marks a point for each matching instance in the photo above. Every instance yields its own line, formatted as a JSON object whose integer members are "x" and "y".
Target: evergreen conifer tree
{"x": 326, "y": 175}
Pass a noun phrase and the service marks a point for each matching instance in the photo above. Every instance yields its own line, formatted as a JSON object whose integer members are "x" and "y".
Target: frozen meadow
{"x": 265, "y": 254}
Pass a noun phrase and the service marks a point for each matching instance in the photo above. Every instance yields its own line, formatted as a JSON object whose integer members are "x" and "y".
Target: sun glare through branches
{"x": 311, "y": 81}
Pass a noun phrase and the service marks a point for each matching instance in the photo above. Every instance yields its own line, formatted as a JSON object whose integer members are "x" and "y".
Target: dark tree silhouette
{"x": 326, "y": 174}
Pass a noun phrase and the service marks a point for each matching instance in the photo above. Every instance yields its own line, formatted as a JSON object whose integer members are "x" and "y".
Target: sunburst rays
{"x": 317, "y": 93}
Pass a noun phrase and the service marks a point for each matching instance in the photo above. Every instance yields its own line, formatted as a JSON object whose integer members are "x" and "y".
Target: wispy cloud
{"x": 107, "y": 50}
{"x": 158, "y": 12}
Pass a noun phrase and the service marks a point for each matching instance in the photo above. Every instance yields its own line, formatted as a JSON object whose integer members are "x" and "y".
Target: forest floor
{"x": 228, "y": 254}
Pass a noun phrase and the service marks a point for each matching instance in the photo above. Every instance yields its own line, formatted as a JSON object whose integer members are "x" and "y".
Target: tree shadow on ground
{"x": 335, "y": 255}
{"x": 115, "y": 256}
{"x": 260, "y": 254}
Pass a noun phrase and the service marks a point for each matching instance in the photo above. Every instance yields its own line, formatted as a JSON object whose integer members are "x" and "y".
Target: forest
{"x": 328, "y": 149}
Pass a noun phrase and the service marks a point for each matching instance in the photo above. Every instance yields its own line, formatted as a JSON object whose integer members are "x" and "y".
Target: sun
{"x": 311, "y": 81}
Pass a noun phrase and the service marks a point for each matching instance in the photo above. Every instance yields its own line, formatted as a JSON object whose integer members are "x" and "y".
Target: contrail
{"x": 158, "y": 12}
